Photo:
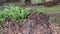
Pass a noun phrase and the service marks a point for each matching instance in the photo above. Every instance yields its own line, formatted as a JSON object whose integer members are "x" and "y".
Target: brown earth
{"x": 37, "y": 23}
{"x": 57, "y": 14}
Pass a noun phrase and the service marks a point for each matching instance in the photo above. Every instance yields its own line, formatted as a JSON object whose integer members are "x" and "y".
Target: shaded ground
{"x": 54, "y": 17}
{"x": 36, "y": 23}
{"x": 57, "y": 14}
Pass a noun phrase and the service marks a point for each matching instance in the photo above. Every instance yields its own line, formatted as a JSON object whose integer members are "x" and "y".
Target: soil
{"x": 36, "y": 23}
{"x": 57, "y": 14}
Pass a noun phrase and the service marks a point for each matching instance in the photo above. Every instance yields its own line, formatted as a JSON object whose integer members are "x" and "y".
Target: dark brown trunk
{"x": 27, "y": 2}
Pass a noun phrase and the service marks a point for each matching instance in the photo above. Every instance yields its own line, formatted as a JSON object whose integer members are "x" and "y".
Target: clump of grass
{"x": 14, "y": 12}
{"x": 54, "y": 20}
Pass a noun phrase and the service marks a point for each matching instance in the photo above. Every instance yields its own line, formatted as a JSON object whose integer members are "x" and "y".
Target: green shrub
{"x": 14, "y": 12}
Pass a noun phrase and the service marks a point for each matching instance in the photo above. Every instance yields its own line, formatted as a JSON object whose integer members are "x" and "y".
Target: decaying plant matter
{"x": 36, "y": 23}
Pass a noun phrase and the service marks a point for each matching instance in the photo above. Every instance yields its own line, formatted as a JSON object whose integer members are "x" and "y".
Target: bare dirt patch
{"x": 36, "y": 23}
{"x": 57, "y": 14}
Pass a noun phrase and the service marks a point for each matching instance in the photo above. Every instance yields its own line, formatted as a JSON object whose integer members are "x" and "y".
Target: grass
{"x": 48, "y": 9}
{"x": 14, "y": 12}
{"x": 55, "y": 20}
